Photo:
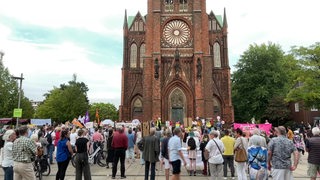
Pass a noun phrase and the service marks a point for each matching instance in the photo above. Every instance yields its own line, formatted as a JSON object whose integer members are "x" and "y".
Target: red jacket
{"x": 120, "y": 140}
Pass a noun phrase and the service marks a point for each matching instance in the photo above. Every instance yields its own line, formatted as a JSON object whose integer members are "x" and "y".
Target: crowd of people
{"x": 246, "y": 153}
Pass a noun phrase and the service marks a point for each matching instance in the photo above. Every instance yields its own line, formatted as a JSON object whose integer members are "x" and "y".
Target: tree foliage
{"x": 307, "y": 77}
{"x": 105, "y": 110}
{"x": 258, "y": 82}
{"x": 65, "y": 103}
{"x": 9, "y": 95}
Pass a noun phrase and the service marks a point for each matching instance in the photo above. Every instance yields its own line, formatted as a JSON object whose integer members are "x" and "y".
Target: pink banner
{"x": 250, "y": 127}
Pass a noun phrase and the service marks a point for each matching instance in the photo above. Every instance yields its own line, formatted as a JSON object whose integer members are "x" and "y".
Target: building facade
{"x": 175, "y": 63}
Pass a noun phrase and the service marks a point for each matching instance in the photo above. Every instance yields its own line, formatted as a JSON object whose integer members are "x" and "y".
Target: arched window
{"x": 142, "y": 53}
{"x": 168, "y": 5}
{"x": 133, "y": 56}
{"x": 183, "y": 5}
{"x": 216, "y": 107}
{"x": 216, "y": 57}
{"x": 137, "y": 106}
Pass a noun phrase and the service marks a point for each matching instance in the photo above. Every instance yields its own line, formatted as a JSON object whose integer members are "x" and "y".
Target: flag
{"x": 97, "y": 117}
{"x": 86, "y": 118}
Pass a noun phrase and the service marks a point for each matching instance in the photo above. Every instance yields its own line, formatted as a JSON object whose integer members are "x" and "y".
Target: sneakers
{"x": 233, "y": 178}
{"x": 123, "y": 177}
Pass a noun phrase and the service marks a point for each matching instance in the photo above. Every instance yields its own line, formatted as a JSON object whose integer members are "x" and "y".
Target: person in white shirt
{"x": 215, "y": 148}
{"x": 73, "y": 138}
{"x": 7, "y": 162}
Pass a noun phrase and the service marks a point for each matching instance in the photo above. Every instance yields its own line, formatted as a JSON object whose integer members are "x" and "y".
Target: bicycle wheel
{"x": 73, "y": 159}
{"x": 38, "y": 171}
{"x": 102, "y": 158}
{"x": 47, "y": 171}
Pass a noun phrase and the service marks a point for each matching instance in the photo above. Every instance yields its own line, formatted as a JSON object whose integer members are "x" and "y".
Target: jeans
{"x": 62, "y": 167}
{"x": 8, "y": 173}
{"x": 228, "y": 160}
{"x": 130, "y": 153}
{"x": 50, "y": 148}
{"x": 119, "y": 154}
{"x": 141, "y": 158}
{"x": 153, "y": 170}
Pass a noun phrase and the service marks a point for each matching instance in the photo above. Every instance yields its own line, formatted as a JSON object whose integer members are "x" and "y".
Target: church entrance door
{"x": 177, "y": 105}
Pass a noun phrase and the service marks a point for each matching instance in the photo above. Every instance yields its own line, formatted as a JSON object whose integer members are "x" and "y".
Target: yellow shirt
{"x": 290, "y": 134}
{"x": 228, "y": 143}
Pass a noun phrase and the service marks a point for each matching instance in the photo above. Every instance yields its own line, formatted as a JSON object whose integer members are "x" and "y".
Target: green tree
{"x": 65, "y": 103}
{"x": 307, "y": 77}
{"x": 106, "y": 111}
{"x": 9, "y": 93}
{"x": 259, "y": 81}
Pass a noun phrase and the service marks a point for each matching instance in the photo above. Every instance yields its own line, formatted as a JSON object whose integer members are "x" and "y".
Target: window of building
{"x": 296, "y": 107}
{"x": 141, "y": 26}
{"x": 216, "y": 107}
{"x": 213, "y": 25}
{"x": 216, "y": 57}
{"x": 137, "y": 106}
{"x": 183, "y": 7}
{"x": 133, "y": 56}
{"x": 142, "y": 53}
{"x": 168, "y": 5}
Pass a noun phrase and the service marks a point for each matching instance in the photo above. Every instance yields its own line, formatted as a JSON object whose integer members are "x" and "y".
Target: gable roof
{"x": 132, "y": 18}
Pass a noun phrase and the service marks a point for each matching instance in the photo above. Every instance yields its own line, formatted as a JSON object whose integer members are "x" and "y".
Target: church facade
{"x": 175, "y": 64}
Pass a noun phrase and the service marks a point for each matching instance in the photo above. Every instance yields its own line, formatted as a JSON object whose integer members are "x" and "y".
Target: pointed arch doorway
{"x": 177, "y": 105}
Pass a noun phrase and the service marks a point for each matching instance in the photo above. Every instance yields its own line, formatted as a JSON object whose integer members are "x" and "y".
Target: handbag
{"x": 217, "y": 159}
{"x": 241, "y": 154}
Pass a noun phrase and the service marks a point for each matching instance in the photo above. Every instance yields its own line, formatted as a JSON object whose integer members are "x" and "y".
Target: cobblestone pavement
{"x": 135, "y": 171}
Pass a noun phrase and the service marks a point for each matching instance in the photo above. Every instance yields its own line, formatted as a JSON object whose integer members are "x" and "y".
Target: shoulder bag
{"x": 241, "y": 154}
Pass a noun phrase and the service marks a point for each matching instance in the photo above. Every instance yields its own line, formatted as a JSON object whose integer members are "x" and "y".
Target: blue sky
{"x": 49, "y": 41}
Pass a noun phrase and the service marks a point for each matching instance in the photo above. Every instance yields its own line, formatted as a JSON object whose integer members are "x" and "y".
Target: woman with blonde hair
{"x": 7, "y": 162}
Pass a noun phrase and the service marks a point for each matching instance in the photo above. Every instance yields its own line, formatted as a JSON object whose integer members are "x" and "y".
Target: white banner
{"x": 40, "y": 122}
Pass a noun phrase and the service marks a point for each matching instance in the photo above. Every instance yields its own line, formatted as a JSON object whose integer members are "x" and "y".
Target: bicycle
{"x": 37, "y": 168}
{"x": 41, "y": 167}
{"x": 99, "y": 154}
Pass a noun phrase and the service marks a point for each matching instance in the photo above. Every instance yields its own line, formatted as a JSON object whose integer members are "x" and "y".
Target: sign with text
{"x": 250, "y": 127}
{"x": 17, "y": 113}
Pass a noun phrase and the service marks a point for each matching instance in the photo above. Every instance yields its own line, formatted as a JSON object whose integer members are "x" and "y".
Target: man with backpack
{"x": 193, "y": 143}
{"x": 50, "y": 138}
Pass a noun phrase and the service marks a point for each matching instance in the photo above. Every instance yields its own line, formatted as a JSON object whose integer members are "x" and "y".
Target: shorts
{"x": 176, "y": 166}
{"x": 166, "y": 163}
{"x": 313, "y": 169}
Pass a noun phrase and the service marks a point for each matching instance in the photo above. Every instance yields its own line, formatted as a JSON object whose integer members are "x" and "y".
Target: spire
{"x": 125, "y": 24}
{"x": 225, "y": 24}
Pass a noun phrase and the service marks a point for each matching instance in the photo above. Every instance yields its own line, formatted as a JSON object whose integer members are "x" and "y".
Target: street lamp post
{"x": 20, "y": 87}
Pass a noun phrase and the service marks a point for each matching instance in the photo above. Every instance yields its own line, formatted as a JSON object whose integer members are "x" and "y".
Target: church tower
{"x": 175, "y": 63}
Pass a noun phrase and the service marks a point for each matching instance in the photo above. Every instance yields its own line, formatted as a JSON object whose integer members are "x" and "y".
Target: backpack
{"x": 140, "y": 144}
{"x": 192, "y": 143}
{"x": 49, "y": 138}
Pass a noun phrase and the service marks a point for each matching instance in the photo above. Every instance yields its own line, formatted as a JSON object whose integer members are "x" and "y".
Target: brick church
{"x": 175, "y": 63}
